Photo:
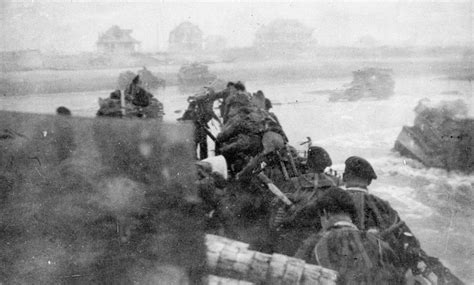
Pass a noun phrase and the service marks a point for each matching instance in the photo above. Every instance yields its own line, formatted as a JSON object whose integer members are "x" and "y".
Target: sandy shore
{"x": 59, "y": 81}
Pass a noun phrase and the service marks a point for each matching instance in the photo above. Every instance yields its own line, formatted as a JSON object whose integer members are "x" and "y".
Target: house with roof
{"x": 283, "y": 34}
{"x": 117, "y": 40}
{"x": 186, "y": 37}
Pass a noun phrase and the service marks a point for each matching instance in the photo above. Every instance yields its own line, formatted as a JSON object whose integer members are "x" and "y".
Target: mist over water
{"x": 68, "y": 27}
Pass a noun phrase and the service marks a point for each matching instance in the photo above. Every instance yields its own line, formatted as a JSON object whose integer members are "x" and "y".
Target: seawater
{"x": 436, "y": 204}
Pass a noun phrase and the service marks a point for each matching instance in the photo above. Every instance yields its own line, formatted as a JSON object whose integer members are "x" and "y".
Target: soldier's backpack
{"x": 359, "y": 257}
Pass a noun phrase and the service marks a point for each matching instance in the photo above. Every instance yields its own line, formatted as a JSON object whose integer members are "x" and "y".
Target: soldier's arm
{"x": 230, "y": 129}
{"x": 218, "y": 95}
{"x": 211, "y": 95}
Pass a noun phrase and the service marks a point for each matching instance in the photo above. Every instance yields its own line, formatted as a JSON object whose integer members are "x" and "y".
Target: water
{"x": 435, "y": 204}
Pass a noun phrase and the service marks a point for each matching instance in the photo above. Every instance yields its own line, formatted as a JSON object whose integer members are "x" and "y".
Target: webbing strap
{"x": 359, "y": 202}
{"x": 361, "y": 248}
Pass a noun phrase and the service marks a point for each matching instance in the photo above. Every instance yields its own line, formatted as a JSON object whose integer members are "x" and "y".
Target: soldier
{"x": 136, "y": 94}
{"x": 297, "y": 223}
{"x": 64, "y": 134}
{"x": 246, "y": 130}
{"x": 211, "y": 184}
{"x": 222, "y": 95}
{"x": 359, "y": 257}
{"x": 268, "y": 104}
{"x": 63, "y": 111}
{"x": 376, "y": 215}
{"x": 237, "y": 99}
{"x": 259, "y": 100}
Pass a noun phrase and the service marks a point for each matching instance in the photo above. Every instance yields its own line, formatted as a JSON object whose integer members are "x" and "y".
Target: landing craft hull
{"x": 440, "y": 142}
{"x": 107, "y": 201}
{"x": 409, "y": 143}
{"x": 97, "y": 201}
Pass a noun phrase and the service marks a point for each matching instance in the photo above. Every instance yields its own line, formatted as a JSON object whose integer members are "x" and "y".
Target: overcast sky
{"x": 74, "y": 26}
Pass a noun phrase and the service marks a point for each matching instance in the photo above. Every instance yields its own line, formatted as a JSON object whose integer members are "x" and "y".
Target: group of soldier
{"x": 135, "y": 102}
{"x": 308, "y": 213}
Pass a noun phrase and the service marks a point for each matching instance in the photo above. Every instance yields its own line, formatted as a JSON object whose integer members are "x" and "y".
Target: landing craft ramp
{"x": 87, "y": 201}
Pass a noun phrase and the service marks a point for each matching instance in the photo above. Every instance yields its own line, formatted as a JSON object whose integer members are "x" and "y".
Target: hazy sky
{"x": 73, "y": 26}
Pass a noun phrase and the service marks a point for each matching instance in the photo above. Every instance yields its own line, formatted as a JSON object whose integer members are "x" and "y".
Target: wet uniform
{"x": 374, "y": 213}
{"x": 295, "y": 226}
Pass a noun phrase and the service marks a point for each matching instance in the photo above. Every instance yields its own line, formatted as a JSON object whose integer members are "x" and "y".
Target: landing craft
{"x": 116, "y": 204}
{"x": 242, "y": 209}
{"x": 442, "y": 136}
{"x": 121, "y": 101}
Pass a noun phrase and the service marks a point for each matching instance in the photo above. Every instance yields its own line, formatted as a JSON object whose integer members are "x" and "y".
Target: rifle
{"x": 274, "y": 189}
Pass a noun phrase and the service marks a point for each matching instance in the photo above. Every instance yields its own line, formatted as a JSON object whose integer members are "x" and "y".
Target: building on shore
{"x": 117, "y": 40}
{"x": 283, "y": 34}
{"x": 186, "y": 37}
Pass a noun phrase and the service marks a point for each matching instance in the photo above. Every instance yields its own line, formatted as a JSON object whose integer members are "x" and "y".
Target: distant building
{"x": 283, "y": 34}
{"x": 117, "y": 40}
{"x": 215, "y": 43}
{"x": 186, "y": 37}
{"x": 21, "y": 60}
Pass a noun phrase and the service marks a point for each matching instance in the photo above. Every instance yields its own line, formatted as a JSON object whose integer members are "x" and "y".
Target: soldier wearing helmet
{"x": 295, "y": 224}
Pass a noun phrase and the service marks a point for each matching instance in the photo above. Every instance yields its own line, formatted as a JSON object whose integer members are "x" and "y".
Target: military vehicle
{"x": 191, "y": 77}
{"x": 376, "y": 83}
{"x": 149, "y": 80}
{"x": 442, "y": 136}
{"x": 110, "y": 107}
{"x": 125, "y": 105}
{"x": 113, "y": 107}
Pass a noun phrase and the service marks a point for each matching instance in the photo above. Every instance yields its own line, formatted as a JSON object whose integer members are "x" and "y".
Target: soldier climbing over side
{"x": 212, "y": 96}
{"x": 376, "y": 215}
{"x": 249, "y": 132}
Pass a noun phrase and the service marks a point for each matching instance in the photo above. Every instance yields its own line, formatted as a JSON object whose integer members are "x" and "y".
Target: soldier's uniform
{"x": 376, "y": 214}
{"x": 137, "y": 95}
{"x": 244, "y": 131}
{"x": 293, "y": 226}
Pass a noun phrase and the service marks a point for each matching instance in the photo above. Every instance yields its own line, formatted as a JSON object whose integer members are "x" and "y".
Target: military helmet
{"x": 318, "y": 159}
{"x": 136, "y": 79}
{"x": 359, "y": 167}
{"x": 240, "y": 98}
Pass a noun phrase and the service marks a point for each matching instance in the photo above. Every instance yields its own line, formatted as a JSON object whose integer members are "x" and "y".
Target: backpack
{"x": 359, "y": 257}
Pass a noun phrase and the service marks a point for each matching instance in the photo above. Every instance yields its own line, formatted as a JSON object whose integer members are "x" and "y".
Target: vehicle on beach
{"x": 376, "y": 83}
{"x": 191, "y": 77}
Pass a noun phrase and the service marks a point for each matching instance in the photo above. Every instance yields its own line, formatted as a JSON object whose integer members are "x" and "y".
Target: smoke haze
{"x": 75, "y": 26}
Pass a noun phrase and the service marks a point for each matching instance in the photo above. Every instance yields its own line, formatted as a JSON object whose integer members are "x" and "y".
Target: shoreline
{"x": 47, "y": 81}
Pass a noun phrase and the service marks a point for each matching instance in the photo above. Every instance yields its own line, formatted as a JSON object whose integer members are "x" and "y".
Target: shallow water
{"x": 429, "y": 200}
